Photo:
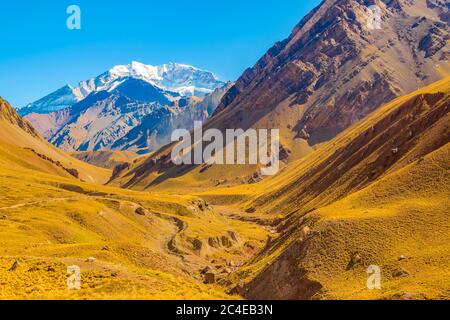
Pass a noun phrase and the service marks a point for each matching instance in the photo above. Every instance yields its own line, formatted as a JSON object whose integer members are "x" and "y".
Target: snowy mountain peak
{"x": 136, "y": 70}
{"x": 183, "y": 79}
{"x": 57, "y": 100}
{"x": 171, "y": 76}
{"x": 180, "y": 78}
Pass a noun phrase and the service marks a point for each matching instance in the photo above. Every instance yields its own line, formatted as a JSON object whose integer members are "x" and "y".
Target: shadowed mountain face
{"x": 134, "y": 89}
{"x": 333, "y": 69}
{"x": 103, "y": 117}
{"x": 156, "y": 128}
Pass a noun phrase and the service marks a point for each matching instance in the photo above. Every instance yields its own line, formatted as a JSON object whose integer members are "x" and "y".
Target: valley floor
{"x": 128, "y": 245}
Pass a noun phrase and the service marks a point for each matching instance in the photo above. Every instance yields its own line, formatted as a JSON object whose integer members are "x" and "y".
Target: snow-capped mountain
{"x": 183, "y": 79}
{"x": 128, "y": 114}
{"x": 60, "y": 99}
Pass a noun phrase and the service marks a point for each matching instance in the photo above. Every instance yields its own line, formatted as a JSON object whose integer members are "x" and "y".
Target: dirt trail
{"x": 171, "y": 243}
{"x": 21, "y": 205}
{"x": 180, "y": 225}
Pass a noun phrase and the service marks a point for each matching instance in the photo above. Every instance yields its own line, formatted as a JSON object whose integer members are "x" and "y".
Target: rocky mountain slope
{"x": 156, "y": 128}
{"x": 334, "y": 69}
{"x": 10, "y": 116}
{"x": 99, "y": 120}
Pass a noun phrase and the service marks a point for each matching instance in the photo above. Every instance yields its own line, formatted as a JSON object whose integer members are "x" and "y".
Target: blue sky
{"x": 38, "y": 54}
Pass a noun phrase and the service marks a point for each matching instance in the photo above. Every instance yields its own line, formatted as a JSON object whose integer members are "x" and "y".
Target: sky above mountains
{"x": 39, "y": 54}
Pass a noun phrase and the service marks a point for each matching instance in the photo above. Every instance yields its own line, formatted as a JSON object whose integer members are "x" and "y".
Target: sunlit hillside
{"x": 128, "y": 244}
{"x": 378, "y": 194}
{"x": 22, "y": 147}
{"x": 106, "y": 159}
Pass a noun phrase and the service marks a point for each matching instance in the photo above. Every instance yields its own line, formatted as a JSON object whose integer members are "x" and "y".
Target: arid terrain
{"x": 297, "y": 240}
{"x": 364, "y": 180}
{"x": 144, "y": 245}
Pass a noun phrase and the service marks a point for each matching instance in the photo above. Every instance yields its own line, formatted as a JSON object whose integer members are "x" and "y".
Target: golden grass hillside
{"x": 145, "y": 246}
{"x": 21, "y": 144}
{"x": 107, "y": 158}
{"x": 378, "y": 194}
{"x": 128, "y": 245}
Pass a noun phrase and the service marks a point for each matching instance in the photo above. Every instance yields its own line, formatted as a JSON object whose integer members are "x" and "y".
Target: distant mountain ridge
{"x": 97, "y": 121}
{"x": 183, "y": 79}
{"x": 144, "y": 101}
{"x": 132, "y": 114}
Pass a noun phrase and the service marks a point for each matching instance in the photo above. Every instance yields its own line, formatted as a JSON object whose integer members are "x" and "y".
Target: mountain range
{"x": 331, "y": 72}
{"x": 180, "y": 78}
{"x": 125, "y": 108}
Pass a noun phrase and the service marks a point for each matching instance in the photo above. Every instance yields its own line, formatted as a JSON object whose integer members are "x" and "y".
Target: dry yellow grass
{"x": 337, "y": 208}
{"x": 21, "y": 148}
{"x": 106, "y": 159}
{"x": 61, "y": 221}
{"x": 403, "y": 215}
{"x": 144, "y": 244}
{"x": 355, "y": 195}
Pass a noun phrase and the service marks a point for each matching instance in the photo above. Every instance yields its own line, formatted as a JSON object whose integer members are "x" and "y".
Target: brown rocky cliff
{"x": 8, "y": 113}
{"x": 333, "y": 70}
